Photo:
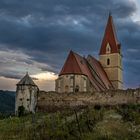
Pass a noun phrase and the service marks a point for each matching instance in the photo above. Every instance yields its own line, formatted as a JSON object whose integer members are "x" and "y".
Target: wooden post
{"x": 78, "y": 123}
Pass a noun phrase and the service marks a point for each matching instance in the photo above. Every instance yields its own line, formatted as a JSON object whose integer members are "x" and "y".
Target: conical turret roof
{"x": 26, "y": 80}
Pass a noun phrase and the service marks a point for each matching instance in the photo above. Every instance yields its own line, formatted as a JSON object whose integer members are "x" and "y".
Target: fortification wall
{"x": 54, "y": 100}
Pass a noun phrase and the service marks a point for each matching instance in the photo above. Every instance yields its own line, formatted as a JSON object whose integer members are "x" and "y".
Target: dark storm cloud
{"x": 11, "y": 75}
{"x": 46, "y": 30}
{"x": 49, "y": 8}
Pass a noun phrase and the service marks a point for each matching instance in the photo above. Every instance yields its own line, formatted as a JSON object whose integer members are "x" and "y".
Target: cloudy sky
{"x": 37, "y": 35}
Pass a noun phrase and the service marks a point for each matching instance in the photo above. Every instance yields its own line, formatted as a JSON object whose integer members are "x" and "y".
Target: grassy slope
{"x": 91, "y": 124}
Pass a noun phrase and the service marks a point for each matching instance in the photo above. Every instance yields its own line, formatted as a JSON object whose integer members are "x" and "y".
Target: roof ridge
{"x": 77, "y": 60}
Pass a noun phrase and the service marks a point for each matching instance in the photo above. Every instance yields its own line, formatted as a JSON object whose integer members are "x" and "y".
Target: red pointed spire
{"x": 110, "y": 38}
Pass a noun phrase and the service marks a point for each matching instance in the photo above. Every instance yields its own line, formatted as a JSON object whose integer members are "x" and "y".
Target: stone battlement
{"x": 54, "y": 100}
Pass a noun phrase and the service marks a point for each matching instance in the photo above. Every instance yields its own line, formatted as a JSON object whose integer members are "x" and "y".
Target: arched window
{"x": 108, "y": 48}
{"x": 108, "y": 61}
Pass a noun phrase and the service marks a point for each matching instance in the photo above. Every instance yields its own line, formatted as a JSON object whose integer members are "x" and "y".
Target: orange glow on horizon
{"x": 45, "y": 76}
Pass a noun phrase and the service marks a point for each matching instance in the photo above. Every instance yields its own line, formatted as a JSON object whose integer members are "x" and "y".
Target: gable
{"x": 71, "y": 65}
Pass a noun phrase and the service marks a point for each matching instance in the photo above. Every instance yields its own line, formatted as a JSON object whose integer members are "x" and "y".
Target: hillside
{"x": 7, "y": 101}
{"x": 91, "y": 123}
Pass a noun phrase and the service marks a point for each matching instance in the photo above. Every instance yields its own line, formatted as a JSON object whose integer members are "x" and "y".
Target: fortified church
{"x": 80, "y": 74}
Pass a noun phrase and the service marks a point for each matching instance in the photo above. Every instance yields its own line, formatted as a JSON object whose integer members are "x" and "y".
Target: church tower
{"x": 110, "y": 55}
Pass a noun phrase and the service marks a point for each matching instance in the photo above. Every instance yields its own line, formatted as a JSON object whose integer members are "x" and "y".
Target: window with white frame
{"x": 108, "y": 48}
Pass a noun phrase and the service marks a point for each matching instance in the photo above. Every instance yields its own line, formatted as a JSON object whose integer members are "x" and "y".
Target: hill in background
{"x": 7, "y": 101}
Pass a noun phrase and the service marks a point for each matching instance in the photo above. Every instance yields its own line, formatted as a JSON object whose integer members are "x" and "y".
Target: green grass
{"x": 93, "y": 123}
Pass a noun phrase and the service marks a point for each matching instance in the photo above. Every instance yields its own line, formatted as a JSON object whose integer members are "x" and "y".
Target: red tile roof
{"x": 110, "y": 37}
{"x": 76, "y": 64}
{"x": 71, "y": 65}
{"x": 102, "y": 77}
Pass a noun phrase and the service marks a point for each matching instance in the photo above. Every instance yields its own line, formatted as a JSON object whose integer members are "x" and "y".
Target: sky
{"x": 37, "y": 35}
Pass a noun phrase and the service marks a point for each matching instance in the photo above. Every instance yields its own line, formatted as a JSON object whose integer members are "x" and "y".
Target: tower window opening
{"x": 108, "y": 48}
{"x": 77, "y": 88}
{"x": 108, "y": 61}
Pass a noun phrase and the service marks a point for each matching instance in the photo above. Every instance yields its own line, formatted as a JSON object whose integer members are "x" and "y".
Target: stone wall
{"x": 53, "y": 100}
{"x": 26, "y": 96}
{"x": 114, "y": 69}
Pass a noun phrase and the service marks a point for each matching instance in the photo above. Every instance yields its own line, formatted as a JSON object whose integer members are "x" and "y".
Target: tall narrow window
{"x": 108, "y": 61}
{"x": 77, "y": 88}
